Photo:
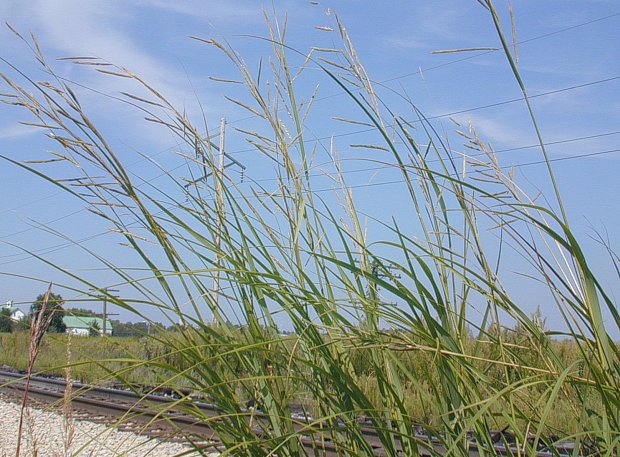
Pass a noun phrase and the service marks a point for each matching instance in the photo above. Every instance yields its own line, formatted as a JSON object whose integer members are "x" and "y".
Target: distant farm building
{"x": 16, "y": 314}
{"x": 86, "y": 325}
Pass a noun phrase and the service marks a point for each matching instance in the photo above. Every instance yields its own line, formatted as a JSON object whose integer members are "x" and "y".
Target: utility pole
{"x": 230, "y": 161}
{"x": 372, "y": 315}
{"x": 105, "y": 314}
{"x": 219, "y": 209}
{"x": 217, "y": 168}
{"x": 148, "y": 326}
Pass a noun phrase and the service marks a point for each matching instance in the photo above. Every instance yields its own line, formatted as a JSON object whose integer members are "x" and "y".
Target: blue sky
{"x": 568, "y": 56}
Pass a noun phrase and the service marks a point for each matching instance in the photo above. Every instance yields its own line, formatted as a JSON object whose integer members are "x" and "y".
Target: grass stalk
{"x": 381, "y": 310}
{"x": 38, "y": 327}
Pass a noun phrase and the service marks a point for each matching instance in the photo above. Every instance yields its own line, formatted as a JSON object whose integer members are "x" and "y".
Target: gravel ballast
{"x": 45, "y": 435}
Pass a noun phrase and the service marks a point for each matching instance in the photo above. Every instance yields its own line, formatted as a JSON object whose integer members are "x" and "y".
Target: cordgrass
{"x": 88, "y": 366}
{"x": 287, "y": 255}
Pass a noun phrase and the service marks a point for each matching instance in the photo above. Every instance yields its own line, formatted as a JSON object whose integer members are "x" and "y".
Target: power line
{"x": 539, "y": 37}
{"x": 517, "y": 148}
{"x": 331, "y": 189}
{"x": 50, "y": 249}
{"x": 467, "y": 110}
{"x": 60, "y": 218}
{"x": 520, "y": 165}
{"x": 356, "y": 132}
{"x": 504, "y": 102}
{"x": 499, "y": 151}
{"x": 470, "y": 57}
{"x": 529, "y": 40}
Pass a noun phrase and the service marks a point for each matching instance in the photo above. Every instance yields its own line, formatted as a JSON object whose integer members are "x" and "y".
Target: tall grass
{"x": 293, "y": 256}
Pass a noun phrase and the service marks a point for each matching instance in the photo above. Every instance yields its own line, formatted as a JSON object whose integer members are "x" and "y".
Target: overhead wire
{"x": 395, "y": 78}
{"x": 483, "y": 53}
{"x": 519, "y": 165}
{"x": 452, "y": 113}
{"x": 462, "y": 111}
{"x": 340, "y": 135}
{"x": 55, "y": 248}
{"x": 498, "y": 151}
{"x": 454, "y": 61}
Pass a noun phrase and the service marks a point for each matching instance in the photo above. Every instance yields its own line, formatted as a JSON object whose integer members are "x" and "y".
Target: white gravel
{"x": 45, "y": 435}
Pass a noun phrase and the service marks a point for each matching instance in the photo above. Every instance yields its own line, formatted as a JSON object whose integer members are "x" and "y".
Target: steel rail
{"x": 162, "y": 411}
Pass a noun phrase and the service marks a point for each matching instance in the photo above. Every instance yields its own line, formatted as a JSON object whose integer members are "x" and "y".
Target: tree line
{"x": 55, "y": 308}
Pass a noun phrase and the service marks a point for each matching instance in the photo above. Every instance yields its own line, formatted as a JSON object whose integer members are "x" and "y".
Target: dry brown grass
{"x": 40, "y": 323}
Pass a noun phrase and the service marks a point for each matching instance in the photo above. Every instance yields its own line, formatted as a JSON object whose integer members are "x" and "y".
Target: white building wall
{"x": 18, "y": 315}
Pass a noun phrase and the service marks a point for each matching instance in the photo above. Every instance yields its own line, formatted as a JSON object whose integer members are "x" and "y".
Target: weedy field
{"x": 419, "y": 358}
{"x": 88, "y": 366}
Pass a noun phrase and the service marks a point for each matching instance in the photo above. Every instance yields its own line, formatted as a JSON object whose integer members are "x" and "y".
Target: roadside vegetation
{"x": 87, "y": 363}
{"x": 413, "y": 328}
{"x": 88, "y": 366}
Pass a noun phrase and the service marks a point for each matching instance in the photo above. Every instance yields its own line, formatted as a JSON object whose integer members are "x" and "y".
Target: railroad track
{"x": 163, "y": 417}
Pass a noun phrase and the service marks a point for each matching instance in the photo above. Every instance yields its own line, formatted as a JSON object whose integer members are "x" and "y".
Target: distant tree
{"x": 54, "y": 308}
{"x": 6, "y": 323}
{"x": 176, "y": 327}
{"x": 94, "y": 329}
{"x": 136, "y": 328}
{"x": 81, "y": 312}
{"x": 123, "y": 328}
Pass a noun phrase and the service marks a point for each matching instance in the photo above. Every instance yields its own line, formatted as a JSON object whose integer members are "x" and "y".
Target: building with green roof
{"x": 82, "y": 325}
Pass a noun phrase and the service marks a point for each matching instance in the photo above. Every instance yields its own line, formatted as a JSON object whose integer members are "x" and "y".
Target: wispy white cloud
{"x": 431, "y": 28}
{"x": 212, "y": 12}
{"x": 576, "y": 101}
{"x": 502, "y": 132}
{"x": 108, "y": 30}
{"x": 17, "y": 131}
{"x": 507, "y": 132}
{"x": 406, "y": 43}
{"x": 439, "y": 22}
{"x": 422, "y": 35}
{"x": 96, "y": 28}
